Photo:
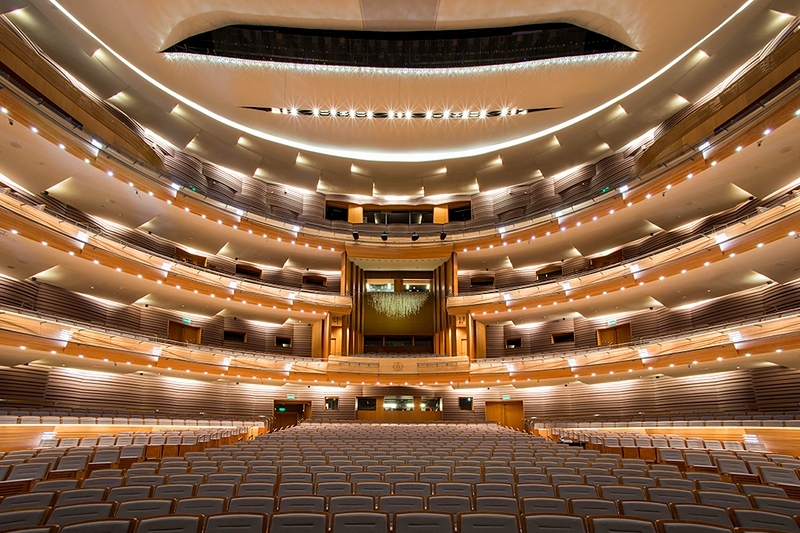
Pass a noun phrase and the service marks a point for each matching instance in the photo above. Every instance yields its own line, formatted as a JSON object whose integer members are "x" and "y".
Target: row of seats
{"x": 609, "y": 422}
{"x": 82, "y": 519}
{"x": 123, "y": 421}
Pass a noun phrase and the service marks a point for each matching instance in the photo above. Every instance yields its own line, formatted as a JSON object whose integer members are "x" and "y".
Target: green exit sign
{"x": 290, "y": 396}
{"x": 612, "y": 322}
{"x": 507, "y": 397}
{"x": 186, "y": 320}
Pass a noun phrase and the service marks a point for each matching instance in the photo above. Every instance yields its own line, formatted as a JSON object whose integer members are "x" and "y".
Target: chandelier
{"x": 397, "y": 305}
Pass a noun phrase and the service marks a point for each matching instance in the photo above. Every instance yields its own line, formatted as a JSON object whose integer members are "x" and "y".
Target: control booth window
{"x": 430, "y": 404}
{"x": 465, "y": 403}
{"x": 366, "y": 404}
{"x": 283, "y": 342}
{"x": 405, "y": 403}
{"x": 332, "y": 403}
{"x": 381, "y": 285}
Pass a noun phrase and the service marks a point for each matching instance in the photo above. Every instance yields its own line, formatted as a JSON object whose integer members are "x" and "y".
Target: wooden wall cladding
{"x": 765, "y": 389}
{"x": 649, "y": 323}
{"x": 151, "y": 321}
{"x": 776, "y": 388}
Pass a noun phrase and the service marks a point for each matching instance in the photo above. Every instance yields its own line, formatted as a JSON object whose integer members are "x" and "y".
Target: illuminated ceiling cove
{"x": 211, "y": 106}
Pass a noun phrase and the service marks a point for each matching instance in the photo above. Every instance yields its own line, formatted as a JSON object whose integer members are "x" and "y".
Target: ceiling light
{"x": 34, "y": 129}
{"x": 767, "y": 131}
{"x": 689, "y": 175}
{"x": 738, "y": 148}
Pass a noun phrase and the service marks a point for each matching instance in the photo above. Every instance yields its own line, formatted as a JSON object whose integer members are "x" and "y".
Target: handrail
{"x": 643, "y": 341}
{"x": 156, "y": 339}
{"x": 299, "y": 291}
{"x": 707, "y": 234}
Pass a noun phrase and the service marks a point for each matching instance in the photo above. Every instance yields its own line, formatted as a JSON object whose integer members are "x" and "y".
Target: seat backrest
{"x": 614, "y": 524}
{"x": 422, "y": 522}
{"x": 28, "y": 471}
{"x": 450, "y": 503}
{"x": 171, "y": 524}
{"x": 360, "y": 522}
{"x": 576, "y": 491}
{"x": 129, "y": 492}
{"x": 236, "y": 523}
{"x": 145, "y": 508}
{"x": 252, "y": 504}
{"x": 304, "y": 522}
{"x": 176, "y": 491}
{"x": 723, "y": 499}
{"x": 644, "y": 509}
{"x": 679, "y": 526}
{"x": 547, "y": 523}
{"x": 544, "y": 505}
{"x": 216, "y": 490}
{"x": 707, "y": 514}
{"x": 667, "y": 495}
{"x": 70, "y": 514}
{"x": 351, "y": 502}
{"x": 497, "y": 504}
{"x": 494, "y": 489}
{"x": 331, "y": 488}
{"x": 592, "y": 507}
{"x": 302, "y": 502}
{"x": 103, "y": 525}
{"x": 201, "y": 506}
{"x": 30, "y": 500}
{"x": 70, "y": 497}
{"x": 395, "y": 503}
{"x": 622, "y": 492}
{"x": 373, "y": 488}
{"x": 481, "y": 521}
{"x": 413, "y": 488}
{"x": 55, "y": 485}
{"x": 764, "y": 520}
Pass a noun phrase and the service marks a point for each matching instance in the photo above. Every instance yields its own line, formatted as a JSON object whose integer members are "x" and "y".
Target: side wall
{"x": 773, "y": 388}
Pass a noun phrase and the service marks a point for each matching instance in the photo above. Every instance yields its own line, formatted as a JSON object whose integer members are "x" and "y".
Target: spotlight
{"x": 384, "y": 236}
{"x": 442, "y": 236}
{"x": 355, "y": 235}
{"x": 415, "y": 236}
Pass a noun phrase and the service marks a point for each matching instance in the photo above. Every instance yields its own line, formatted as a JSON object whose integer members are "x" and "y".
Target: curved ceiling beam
{"x": 396, "y": 157}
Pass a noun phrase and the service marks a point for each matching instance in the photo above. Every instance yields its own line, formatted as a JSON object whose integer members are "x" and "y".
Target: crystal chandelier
{"x": 397, "y": 305}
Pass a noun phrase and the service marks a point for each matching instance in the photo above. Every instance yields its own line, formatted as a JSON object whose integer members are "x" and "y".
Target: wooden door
{"x": 334, "y": 347}
{"x": 506, "y": 413}
{"x": 177, "y": 331}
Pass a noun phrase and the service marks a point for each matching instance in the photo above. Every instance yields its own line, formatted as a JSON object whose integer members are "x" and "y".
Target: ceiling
{"x": 601, "y": 103}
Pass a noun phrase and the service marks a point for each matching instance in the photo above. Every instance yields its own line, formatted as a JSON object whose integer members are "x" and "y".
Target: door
{"x": 510, "y": 414}
{"x": 463, "y": 347}
{"x": 334, "y": 347}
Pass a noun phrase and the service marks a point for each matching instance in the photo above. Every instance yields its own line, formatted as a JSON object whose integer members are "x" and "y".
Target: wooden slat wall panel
{"x": 15, "y": 293}
{"x": 657, "y": 322}
{"x": 283, "y": 198}
{"x": 220, "y": 263}
{"x": 60, "y": 302}
{"x": 24, "y": 384}
{"x": 543, "y": 197}
{"x": 495, "y": 341}
{"x": 186, "y": 170}
{"x": 767, "y": 389}
{"x": 776, "y": 388}
{"x": 220, "y": 176}
{"x": 96, "y": 390}
{"x": 483, "y": 209}
{"x": 575, "y": 265}
{"x": 301, "y": 339}
{"x": 313, "y": 207}
{"x": 253, "y": 196}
